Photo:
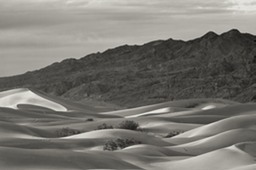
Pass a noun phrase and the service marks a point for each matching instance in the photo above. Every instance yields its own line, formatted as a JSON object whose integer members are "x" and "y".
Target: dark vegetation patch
{"x": 173, "y": 133}
{"x": 119, "y": 143}
{"x": 127, "y": 124}
{"x": 67, "y": 132}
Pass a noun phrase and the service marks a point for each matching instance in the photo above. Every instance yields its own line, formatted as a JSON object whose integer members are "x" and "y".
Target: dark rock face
{"x": 211, "y": 66}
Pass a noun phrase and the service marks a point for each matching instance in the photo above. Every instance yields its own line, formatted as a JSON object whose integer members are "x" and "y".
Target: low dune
{"x": 236, "y": 122}
{"x": 39, "y": 132}
{"x": 120, "y": 133}
{"x": 226, "y": 158}
{"x": 215, "y": 142}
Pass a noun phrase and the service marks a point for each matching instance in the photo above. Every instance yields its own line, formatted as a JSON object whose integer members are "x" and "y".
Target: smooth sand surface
{"x": 39, "y": 132}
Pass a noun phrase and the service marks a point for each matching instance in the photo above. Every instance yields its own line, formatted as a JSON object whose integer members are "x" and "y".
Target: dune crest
{"x": 13, "y": 98}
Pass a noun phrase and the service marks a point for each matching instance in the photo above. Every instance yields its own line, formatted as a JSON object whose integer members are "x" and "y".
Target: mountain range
{"x": 211, "y": 66}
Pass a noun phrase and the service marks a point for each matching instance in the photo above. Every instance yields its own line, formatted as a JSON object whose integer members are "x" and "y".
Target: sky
{"x": 36, "y": 33}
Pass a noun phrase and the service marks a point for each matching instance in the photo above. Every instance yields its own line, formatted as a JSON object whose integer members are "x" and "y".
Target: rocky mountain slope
{"x": 216, "y": 66}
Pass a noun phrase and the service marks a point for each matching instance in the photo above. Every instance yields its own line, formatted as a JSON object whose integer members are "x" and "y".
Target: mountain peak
{"x": 210, "y": 35}
{"x": 232, "y": 33}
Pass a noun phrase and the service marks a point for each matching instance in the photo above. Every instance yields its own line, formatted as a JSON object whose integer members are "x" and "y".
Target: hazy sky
{"x": 36, "y": 33}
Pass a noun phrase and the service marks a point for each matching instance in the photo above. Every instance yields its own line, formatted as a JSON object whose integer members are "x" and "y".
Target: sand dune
{"x": 152, "y": 150}
{"x": 236, "y": 122}
{"x": 247, "y": 167}
{"x": 41, "y": 132}
{"x": 120, "y": 133}
{"x": 172, "y": 106}
{"x": 226, "y": 158}
{"x": 12, "y": 98}
{"x": 24, "y": 159}
{"x": 215, "y": 142}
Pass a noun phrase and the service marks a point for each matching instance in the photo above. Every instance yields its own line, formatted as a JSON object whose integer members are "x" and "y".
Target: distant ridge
{"x": 217, "y": 66}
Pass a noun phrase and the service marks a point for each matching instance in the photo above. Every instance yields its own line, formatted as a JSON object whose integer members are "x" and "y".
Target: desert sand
{"x": 39, "y": 132}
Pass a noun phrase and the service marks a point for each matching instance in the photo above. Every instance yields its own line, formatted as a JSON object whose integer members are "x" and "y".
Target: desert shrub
{"x": 104, "y": 126}
{"x": 128, "y": 124}
{"x": 67, "y": 132}
{"x": 173, "y": 133}
{"x": 90, "y": 119}
{"x": 119, "y": 143}
{"x": 192, "y": 105}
